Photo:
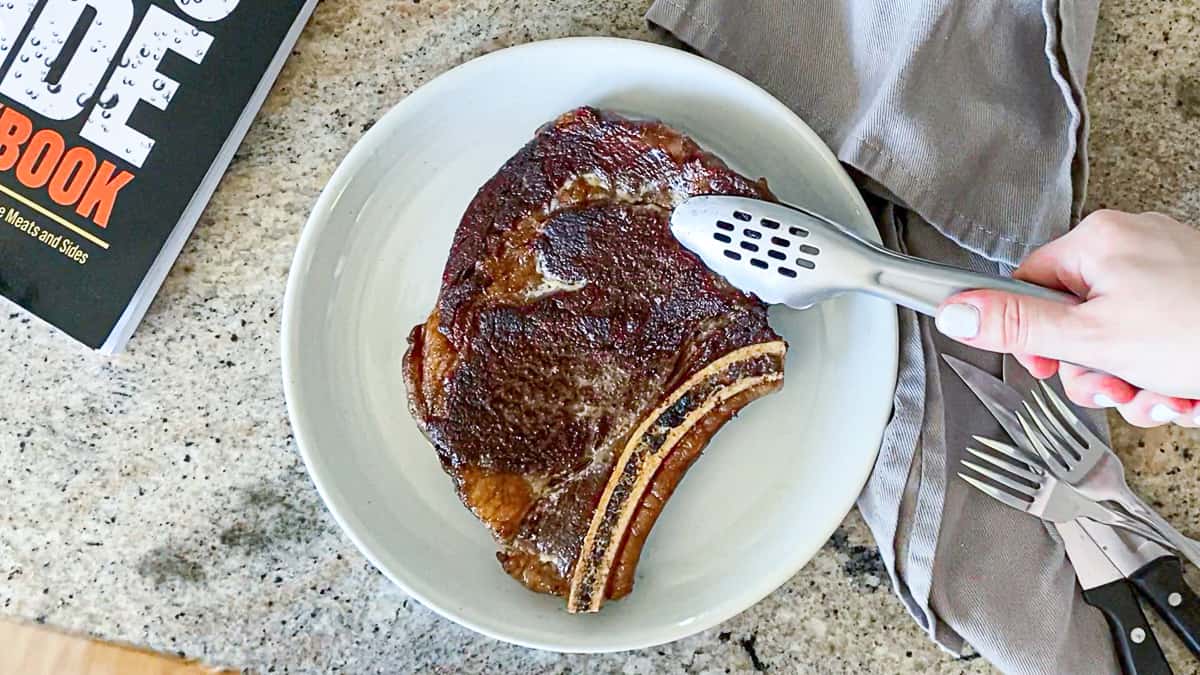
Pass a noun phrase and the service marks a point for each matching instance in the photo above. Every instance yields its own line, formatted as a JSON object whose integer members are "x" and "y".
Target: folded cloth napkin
{"x": 966, "y": 125}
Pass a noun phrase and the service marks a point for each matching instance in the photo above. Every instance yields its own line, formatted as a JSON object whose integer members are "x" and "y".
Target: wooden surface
{"x": 37, "y": 650}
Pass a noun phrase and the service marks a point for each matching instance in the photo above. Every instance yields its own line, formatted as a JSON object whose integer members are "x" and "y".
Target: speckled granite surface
{"x": 157, "y": 497}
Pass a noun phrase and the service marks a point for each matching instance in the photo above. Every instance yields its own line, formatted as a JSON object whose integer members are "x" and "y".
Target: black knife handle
{"x": 1161, "y": 583}
{"x": 1137, "y": 650}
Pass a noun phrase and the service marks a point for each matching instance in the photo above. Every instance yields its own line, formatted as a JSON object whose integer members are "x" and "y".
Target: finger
{"x": 1093, "y": 389}
{"x": 1064, "y": 262}
{"x": 1038, "y": 366}
{"x": 1018, "y": 324}
{"x": 1148, "y": 409}
{"x": 1056, "y": 265}
{"x": 1190, "y": 419}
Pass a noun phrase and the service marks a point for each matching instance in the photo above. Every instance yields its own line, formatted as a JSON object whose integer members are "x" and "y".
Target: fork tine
{"x": 1065, "y": 458}
{"x": 998, "y": 495}
{"x": 1067, "y": 452}
{"x": 1010, "y": 467}
{"x": 995, "y": 476}
{"x": 1033, "y": 463}
{"x": 1066, "y": 436}
{"x": 1071, "y": 418}
{"x": 1035, "y": 439}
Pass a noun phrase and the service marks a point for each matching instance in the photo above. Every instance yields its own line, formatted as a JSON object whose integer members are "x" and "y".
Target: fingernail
{"x": 1162, "y": 413}
{"x": 958, "y": 321}
{"x": 1103, "y": 401}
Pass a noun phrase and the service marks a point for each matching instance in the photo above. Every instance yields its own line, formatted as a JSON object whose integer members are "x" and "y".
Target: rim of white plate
{"x": 319, "y": 218}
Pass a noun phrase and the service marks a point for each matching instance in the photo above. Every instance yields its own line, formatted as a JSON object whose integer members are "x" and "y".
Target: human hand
{"x": 1135, "y": 333}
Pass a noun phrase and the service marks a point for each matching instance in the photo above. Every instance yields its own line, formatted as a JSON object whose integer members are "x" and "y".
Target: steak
{"x": 579, "y": 359}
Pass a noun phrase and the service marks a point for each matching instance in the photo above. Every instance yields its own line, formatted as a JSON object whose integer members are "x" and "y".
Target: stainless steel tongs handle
{"x": 923, "y": 285}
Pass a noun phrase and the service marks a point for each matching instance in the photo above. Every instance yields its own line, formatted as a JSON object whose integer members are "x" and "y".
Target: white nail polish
{"x": 1161, "y": 413}
{"x": 958, "y": 321}
{"x": 1103, "y": 401}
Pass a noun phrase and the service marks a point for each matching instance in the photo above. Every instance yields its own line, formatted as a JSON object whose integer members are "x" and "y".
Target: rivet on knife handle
{"x": 1162, "y": 583}
{"x": 1137, "y": 649}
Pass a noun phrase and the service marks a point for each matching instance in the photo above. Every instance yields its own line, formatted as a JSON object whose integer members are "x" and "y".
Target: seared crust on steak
{"x": 579, "y": 359}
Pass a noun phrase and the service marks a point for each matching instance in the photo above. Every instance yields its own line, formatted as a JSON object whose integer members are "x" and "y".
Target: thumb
{"x": 1015, "y": 324}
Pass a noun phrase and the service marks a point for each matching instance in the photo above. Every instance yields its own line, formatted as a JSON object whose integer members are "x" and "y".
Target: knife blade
{"x": 1104, "y": 585}
{"x": 1000, "y": 399}
{"x": 1158, "y": 575}
{"x": 1091, "y": 565}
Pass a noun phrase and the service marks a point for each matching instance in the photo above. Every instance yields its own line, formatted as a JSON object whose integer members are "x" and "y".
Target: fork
{"x": 1044, "y": 496}
{"x": 1082, "y": 460}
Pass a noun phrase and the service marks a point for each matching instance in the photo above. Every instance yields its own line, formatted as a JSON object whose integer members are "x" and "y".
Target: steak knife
{"x": 1105, "y": 588}
{"x": 1158, "y": 576}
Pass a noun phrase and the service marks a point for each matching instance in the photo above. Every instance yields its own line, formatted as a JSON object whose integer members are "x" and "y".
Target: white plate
{"x": 771, "y": 487}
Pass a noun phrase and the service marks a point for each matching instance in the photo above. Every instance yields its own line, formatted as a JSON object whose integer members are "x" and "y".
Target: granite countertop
{"x": 157, "y": 497}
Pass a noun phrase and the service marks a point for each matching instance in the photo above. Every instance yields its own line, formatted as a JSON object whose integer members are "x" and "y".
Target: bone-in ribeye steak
{"x": 579, "y": 359}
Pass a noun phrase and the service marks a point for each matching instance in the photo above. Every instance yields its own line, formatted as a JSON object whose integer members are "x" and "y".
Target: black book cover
{"x": 113, "y": 114}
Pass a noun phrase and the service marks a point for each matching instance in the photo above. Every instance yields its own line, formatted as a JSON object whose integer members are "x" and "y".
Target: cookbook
{"x": 117, "y": 120}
